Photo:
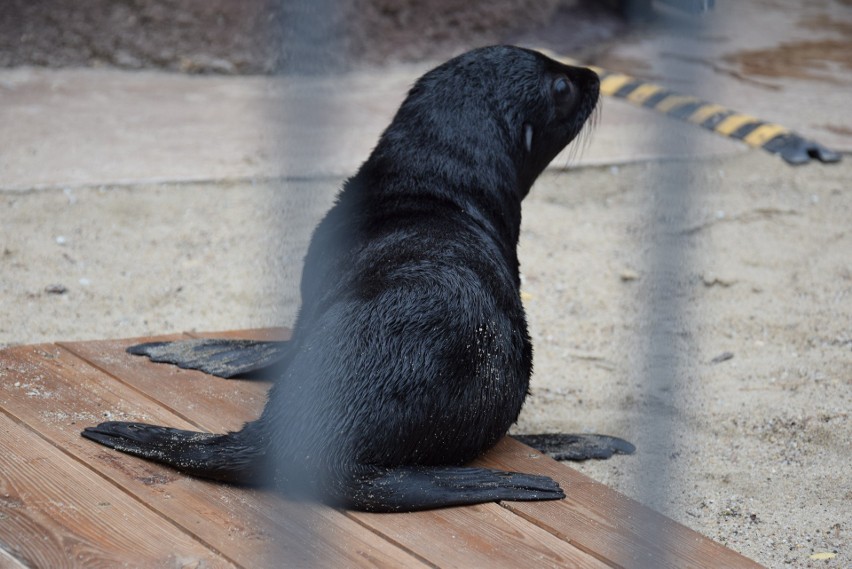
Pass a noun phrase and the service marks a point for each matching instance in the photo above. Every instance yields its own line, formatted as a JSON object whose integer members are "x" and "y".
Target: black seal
{"x": 410, "y": 356}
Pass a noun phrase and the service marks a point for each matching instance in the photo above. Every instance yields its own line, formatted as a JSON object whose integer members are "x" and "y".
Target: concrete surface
{"x": 136, "y": 203}
{"x": 779, "y": 60}
{"x": 79, "y": 127}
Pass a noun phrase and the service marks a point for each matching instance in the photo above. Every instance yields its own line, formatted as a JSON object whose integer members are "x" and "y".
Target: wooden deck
{"x": 68, "y": 502}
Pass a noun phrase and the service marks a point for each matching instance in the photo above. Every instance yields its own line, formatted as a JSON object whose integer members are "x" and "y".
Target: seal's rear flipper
{"x": 577, "y": 447}
{"x": 412, "y": 488}
{"x": 222, "y": 358}
{"x": 218, "y": 457}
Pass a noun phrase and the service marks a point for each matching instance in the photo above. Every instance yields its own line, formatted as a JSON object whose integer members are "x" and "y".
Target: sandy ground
{"x": 760, "y": 441}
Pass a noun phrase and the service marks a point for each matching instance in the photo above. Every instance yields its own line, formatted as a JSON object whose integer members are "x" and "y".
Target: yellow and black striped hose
{"x": 774, "y": 138}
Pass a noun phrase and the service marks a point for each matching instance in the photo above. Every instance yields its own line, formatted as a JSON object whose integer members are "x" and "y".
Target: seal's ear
{"x": 528, "y": 134}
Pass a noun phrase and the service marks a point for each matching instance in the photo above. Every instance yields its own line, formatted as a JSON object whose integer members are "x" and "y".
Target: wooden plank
{"x": 57, "y": 512}
{"x": 594, "y": 518}
{"x": 598, "y": 519}
{"x": 56, "y": 394}
{"x": 434, "y": 536}
{"x": 485, "y": 535}
{"x": 7, "y": 561}
{"x": 212, "y": 403}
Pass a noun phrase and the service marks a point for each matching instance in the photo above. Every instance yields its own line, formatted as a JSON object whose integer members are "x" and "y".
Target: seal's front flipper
{"x": 577, "y": 447}
{"x": 222, "y": 358}
{"x": 412, "y": 488}
{"x": 218, "y": 457}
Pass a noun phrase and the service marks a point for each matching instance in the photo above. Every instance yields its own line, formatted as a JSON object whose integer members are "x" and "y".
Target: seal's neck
{"x": 483, "y": 187}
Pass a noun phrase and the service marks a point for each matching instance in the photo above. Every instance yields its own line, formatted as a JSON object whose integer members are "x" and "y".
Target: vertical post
{"x": 312, "y": 55}
{"x": 665, "y": 327}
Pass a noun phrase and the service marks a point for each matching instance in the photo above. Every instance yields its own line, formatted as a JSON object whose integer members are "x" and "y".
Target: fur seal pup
{"x": 410, "y": 355}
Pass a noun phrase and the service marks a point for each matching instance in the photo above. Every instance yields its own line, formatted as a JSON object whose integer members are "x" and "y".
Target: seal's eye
{"x": 563, "y": 92}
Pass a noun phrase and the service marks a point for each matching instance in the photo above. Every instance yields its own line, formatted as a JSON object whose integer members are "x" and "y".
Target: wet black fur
{"x": 410, "y": 356}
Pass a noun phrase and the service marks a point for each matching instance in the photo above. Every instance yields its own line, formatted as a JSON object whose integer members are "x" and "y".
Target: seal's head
{"x": 494, "y": 114}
